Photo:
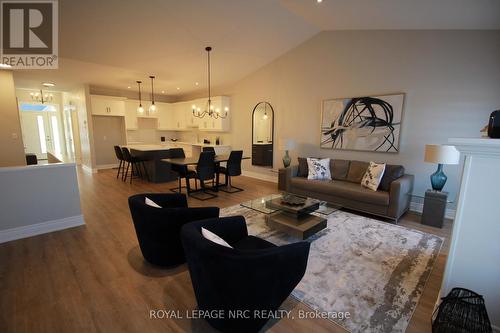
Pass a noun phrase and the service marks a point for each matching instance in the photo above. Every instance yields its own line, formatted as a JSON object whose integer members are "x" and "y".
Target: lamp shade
{"x": 287, "y": 144}
{"x": 441, "y": 154}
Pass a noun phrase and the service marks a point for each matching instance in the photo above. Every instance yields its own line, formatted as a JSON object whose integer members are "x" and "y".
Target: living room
{"x": 358, "y": 138}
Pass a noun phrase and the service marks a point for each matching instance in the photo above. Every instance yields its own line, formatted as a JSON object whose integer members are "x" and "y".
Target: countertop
{"x": 167, "y": 145}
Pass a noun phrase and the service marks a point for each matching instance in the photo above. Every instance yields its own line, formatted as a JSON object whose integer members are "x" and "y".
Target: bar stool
{"x": 119, "y": 156}
{"x": 135, "y": 163}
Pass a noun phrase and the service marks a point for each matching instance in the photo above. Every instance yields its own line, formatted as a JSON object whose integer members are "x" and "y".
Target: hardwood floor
{"x": 93, "y": 278}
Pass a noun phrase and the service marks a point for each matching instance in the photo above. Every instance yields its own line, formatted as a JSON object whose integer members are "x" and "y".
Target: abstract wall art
{"x": 370, "y": 123}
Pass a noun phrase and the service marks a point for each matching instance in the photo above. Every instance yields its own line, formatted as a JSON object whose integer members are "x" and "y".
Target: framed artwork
{"x": 370, "y": 123}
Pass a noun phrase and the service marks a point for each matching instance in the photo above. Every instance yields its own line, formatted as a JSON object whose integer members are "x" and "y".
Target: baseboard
{"x": 107, "y": 166}
{"x": 257, "y": 175}
{"x": 88, "y": 169}
{"x": 40, "y": 228}
{"x": 418, "y": 207}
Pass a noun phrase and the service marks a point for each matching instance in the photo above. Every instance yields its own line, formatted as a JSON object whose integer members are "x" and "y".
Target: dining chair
{"x": 181, "y": 170}
{"x": 232, "y": 169}
{"x": 119, "y": 156}
{"x": 134, "y": 163}
{"x": 205, "y": 171}
{"x": 211, "y": 149}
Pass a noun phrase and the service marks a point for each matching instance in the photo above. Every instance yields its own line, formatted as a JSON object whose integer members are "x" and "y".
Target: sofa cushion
{"x": 341, "y": 189}
{"x": 319, "y": 168}
{"x": 391, "y": 173}
{"x": 303, "y": 170}
{"x": 373, "y": 176}
{"x": 339, "y": 168}
{"x": 356, "y": 172}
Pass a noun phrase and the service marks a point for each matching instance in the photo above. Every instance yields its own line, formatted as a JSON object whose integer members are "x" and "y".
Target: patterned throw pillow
{"x": 373, "y": 176}
{"x": 319, "y": 168}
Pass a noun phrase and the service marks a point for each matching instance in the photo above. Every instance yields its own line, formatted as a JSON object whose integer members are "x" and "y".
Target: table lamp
{"x": 286, "y": 145}
{"x": 440, "y": 154}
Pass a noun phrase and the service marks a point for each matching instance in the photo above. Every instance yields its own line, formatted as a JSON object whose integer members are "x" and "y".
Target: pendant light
{"x": 152, "y": 107}
{"x": 140, "y": 109}
{"x": 209, "y": 111}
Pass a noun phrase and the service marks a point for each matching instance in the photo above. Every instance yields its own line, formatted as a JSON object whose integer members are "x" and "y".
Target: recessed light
{"x": 5, "y": 66}
{"x": 163, "y": 91}
{"x": 178, "y": 88}
{"x": 48, "y": 84}
{"x": 129, "y": 87}
{"x": 319, "y": 1}
{"x": 196, "y": 83}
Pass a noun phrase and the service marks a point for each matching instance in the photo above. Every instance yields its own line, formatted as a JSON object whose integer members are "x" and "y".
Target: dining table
{"x": 193, "y": 160}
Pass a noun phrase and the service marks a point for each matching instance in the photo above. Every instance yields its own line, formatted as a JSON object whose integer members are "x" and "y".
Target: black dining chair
{"x": 119, "y": 156}
{"x": 181, "y": 170}
{"x": 205, "y": 171}
{"x": 134, "y": 164}
{"x": 232, "y": 169}
{"x": 211, "y": 149}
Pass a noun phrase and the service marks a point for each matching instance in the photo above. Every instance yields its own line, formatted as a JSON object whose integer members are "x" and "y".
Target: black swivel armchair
{"x": 255, "y": 275}
{"x": 232, "y": 169}
{"x": 158, "y": 229}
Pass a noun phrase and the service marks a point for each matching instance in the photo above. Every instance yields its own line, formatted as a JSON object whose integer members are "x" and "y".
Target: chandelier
{"x": 41, "y": 97}
{"x": 210, "y": 110}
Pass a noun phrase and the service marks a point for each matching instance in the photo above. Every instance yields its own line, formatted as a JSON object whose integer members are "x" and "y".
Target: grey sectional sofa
{"x": 391, "y": 200}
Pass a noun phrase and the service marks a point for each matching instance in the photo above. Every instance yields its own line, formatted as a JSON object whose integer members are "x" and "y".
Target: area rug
{"x": 374, "y": 270}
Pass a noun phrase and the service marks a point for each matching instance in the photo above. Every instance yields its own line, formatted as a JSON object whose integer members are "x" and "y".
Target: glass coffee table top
{"x": 267, "y": 204}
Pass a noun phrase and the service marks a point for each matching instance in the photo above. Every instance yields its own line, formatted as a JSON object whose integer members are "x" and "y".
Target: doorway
{"x": 42, "y": 129}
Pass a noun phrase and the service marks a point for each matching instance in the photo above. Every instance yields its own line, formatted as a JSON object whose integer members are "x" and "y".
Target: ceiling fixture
{"x": 140, "y": 109}
{"x": 152, "y": 107}
{"x": 48, "y": 84}
{"x": 163, "y": 91}
{"x": 319, "y": 1}
{"x": 178, "y": 88}
{"x": 196, "y": 83}
{"x": 209, "y": 111}
{"x": 5, "y": 66}
{"x": 41, "y": 97}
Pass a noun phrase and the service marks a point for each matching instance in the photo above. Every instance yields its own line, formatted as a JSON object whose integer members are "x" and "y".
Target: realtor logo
{"x": 29, "y": 33}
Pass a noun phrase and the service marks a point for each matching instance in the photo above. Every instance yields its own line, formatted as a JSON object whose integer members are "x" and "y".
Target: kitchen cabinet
{"x": 131, "y": 115}
{"x": 180, "y": 115}
{"x": 166, "y": 116}
{"x": 107, "y": 105}
{"x": 221, "y": 104}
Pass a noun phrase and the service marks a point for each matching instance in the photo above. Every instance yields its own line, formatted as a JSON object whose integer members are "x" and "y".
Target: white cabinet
{"x": 180, "y": 121}
{"x": 166, "y": 116}
{"x": 131, "y": 115}
{"x": 107, "y": 105}
{"x": 221, "y": 105}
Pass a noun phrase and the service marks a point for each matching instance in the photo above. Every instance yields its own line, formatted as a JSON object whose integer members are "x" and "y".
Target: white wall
{"x": 38, "y": 199}
{"x": 451, "y": 80}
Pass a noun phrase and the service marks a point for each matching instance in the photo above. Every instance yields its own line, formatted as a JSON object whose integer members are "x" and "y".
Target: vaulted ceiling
{"x": 113, "y": 43}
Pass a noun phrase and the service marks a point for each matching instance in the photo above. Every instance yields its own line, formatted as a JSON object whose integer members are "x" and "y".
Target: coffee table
{"x": 295, "y": 219}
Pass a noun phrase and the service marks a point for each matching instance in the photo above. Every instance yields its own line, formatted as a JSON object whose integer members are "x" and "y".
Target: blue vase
{"x": 286, "y": 159}
{"x": 438, "y": 179}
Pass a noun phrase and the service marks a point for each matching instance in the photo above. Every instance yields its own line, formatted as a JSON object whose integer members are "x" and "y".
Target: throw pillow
{"x": 373, "y": 176}
{"x": 151, "y": 203}
{"x": 319, "y": 169}
{"x": 391, "y": 173}
{"x": 214, "y": 238}
{"x": 303, "y": 169}
{"x": 356, "y": 172}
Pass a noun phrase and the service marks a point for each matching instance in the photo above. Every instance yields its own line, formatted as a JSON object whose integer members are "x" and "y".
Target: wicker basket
{"x": 461, "y": 311}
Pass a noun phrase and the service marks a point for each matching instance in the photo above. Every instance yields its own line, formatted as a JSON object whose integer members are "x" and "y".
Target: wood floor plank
{"x": 93, "y": 278}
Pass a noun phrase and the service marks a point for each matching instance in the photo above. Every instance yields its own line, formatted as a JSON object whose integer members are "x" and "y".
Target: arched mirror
{"x": 262, "y": 134}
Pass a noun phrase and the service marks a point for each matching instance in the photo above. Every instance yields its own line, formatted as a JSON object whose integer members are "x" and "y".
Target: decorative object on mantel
{"x": 440, "y": 154}
{"x": 370, "y": 123}
{"x": 210, "y": 110}
{"x": 152, "y": 107}
{"x": 140, "y": 109}
{"x": 286, "y": 145}
{"x": 345, "y": 260}
{"x": 494, "y": 125}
